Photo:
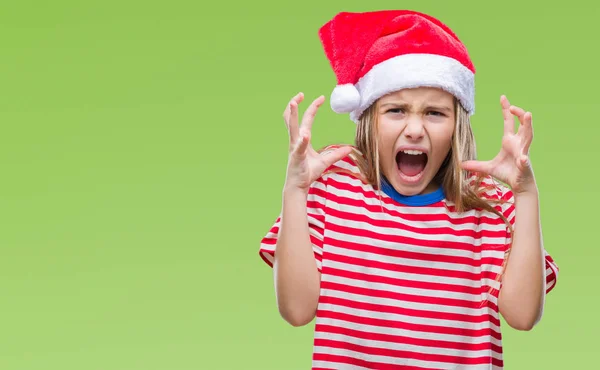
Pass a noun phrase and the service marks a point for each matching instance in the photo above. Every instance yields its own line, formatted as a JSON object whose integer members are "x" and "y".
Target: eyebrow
{"x": 428, "y": 107}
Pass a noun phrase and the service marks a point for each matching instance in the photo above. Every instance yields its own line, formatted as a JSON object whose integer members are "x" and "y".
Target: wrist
{"x": 294, "y": 198}
{"x": 529, "y": 195}
{"x": 294, "y": 192}
{"x": 527, "y": 189}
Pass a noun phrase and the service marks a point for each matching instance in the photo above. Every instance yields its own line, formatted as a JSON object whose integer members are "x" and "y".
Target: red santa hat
{"x": 375, "y": 53}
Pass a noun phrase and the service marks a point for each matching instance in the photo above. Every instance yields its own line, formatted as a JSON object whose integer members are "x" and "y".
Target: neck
{"x": 432, "y": 194}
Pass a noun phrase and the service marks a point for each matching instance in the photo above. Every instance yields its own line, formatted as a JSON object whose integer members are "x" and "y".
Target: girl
{"x": 399, "y": 245}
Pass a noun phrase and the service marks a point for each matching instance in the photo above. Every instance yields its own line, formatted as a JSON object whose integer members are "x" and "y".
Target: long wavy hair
{"x": 460, "y": 187}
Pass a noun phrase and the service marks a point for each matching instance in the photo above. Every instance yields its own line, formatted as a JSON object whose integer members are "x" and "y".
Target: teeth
{"x": 412, "y": 152}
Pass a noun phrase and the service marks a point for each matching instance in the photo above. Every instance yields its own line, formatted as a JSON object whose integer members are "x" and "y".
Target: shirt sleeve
{"x": 508, "y": 210}
{"x": 316, "y": 221}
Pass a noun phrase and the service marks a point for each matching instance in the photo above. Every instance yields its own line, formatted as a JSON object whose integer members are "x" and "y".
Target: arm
{"x": 523, "y": 291}
{"x": 297, "y": 279}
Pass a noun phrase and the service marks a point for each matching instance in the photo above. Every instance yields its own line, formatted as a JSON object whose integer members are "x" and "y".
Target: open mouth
{"x": 411, "y": 164}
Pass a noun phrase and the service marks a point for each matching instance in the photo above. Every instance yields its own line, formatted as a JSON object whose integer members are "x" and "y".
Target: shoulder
{"x": 490, "y": 188}
{"x": 351, "y": 165}
{"x": 498, "y": 195}
{"x": 346, "y": 174}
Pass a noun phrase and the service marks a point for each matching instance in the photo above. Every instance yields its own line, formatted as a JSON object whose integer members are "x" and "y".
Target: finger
{"x": 517, "y": 111}
{"x": 302, "y": 145}
{"x": 483, "y": 167}
{"x": 292, "y": 122}
{"x": 523, "y": 116}
{"x": 311, "y": 112}
{"x": 330, "y": 157}
{"x": 290, "y": 113}
{"x": 509, "y": 120}
{"x": 525, "y": 128}
{"x": 297, "y": 98}
{"x": 524, "y": 161}
{"x": 520, "y": 113}
{"x": 528, "y": 134}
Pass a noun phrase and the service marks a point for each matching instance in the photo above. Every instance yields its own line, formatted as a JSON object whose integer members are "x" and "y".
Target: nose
{"x": 414, "y": 129}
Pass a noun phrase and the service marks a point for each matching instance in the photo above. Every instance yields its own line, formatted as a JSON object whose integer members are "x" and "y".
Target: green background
{"x": 143, "y": 153}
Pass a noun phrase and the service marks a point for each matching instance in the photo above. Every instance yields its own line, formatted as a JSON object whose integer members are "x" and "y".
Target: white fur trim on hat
{"x": 416, "y": 70}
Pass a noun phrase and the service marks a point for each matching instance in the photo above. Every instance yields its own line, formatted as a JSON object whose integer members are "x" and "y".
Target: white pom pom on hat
{"x": 345, "y": 98}
{"x": 375, "y": 53}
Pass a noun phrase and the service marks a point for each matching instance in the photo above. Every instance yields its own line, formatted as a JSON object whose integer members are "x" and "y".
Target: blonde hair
{"x": 465, "y": 195}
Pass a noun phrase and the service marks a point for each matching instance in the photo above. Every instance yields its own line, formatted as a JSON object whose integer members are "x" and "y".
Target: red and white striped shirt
{"x": 411, "y": 285}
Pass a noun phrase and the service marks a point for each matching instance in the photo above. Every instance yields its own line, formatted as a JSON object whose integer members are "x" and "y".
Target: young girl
{"x": 399, "y": 245}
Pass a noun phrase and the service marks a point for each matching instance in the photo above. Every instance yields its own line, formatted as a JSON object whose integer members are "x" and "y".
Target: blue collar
{"x": 414, "y": 200}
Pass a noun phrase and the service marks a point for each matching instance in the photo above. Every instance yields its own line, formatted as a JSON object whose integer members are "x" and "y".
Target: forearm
{"x": 297, "y": 279}
{"x": 524, "y": 284}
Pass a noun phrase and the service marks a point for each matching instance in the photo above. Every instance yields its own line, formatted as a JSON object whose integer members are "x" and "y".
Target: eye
{"x": 436, "y": 113}
{"x": 395, "y": 110}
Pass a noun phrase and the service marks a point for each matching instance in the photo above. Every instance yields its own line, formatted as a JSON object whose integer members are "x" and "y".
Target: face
{"x": 415, "y": 136}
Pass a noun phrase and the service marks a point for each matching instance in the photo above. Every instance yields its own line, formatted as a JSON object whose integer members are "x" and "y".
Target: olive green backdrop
{"x": 142, "y": 155}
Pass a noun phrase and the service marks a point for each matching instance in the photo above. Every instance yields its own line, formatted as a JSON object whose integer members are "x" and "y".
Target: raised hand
{"x": 305, "y": 165}
{"x": 511, "y": 165}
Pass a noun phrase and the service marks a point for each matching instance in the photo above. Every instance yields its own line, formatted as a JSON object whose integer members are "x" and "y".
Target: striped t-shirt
{"x": 410, "y": 285}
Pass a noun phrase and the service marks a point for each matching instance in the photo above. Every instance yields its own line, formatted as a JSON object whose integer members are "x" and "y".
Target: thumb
{"x": 332, "y": 156}
{"x": 477, "y": 166}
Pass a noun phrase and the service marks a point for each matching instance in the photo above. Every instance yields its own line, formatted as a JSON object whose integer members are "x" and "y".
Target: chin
{"x": 408, "y": 185}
